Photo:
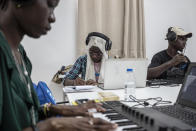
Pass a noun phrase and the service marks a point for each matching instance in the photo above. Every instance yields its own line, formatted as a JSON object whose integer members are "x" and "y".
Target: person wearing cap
{"x": 90, "y": 66}
{"x": 171, "y": 63}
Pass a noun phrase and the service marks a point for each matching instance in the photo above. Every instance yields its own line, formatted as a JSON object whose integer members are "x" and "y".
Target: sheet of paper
{"x": 79, "y": 88}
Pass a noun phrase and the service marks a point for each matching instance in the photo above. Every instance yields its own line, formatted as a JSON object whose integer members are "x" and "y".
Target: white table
{"x": 166, "y": 93}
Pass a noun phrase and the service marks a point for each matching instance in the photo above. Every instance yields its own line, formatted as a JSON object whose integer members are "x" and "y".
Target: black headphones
{"x": 171, "y": 35}
{"x": 108, "y": 44}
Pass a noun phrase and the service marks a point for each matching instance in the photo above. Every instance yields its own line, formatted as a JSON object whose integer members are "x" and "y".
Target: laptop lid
{"x": 115, "y": 72}
{"x": 187, "y": 95}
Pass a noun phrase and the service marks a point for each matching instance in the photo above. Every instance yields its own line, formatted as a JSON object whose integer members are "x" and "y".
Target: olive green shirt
{"x": 15, "y": 102}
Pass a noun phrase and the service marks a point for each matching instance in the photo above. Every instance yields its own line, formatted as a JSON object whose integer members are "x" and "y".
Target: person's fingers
{"x": 90, "y": 102}
{"x": 98, "y": 106}
{"x": 97, "y": 124}
{"x": 100, "y": 124}
{"x": 100, "y": 121}
{"x": 185, "y": 59}
{"x": 101, "y": 109}
{"x": 182, "y": 59}
{"x": 80, "y": 81}
{"x": 87, "y": 114}
{"x": 85, "y": 127}
{"x": 179, "y": 58}
{"x": 82, "y": 113}
{"x": 95, "y": 83}
{"x": 88, "y": 124}
{"x": 85, "y": 124}
{"x": 111, "y": 127}
{"x": 90, "y": 82}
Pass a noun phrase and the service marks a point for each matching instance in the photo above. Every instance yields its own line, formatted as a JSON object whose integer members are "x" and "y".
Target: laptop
{"x": 181, "y": 115}
{"x": 115, "y": 74}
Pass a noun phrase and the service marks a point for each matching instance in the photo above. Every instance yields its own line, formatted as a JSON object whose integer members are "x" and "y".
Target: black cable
{"x": 145, "y": 102}
{"x": 161, "y": 103}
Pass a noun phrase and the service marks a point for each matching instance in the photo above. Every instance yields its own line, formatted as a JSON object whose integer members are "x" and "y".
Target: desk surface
{"x": 167, "y": 93}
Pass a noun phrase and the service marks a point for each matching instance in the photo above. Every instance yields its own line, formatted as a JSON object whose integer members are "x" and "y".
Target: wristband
{"x": 47, "y": 109}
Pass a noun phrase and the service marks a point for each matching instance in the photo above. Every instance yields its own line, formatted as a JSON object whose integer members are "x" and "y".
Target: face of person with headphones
{"x": 180, "y": 43}
{"x": 95, "y": 54}
{"x": 177, "y": 38}
{"x": 97, "y": 45}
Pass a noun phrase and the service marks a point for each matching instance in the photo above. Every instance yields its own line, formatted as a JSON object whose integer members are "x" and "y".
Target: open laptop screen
{"x": 115, "y": 74}
{"x": 187, "y": 96}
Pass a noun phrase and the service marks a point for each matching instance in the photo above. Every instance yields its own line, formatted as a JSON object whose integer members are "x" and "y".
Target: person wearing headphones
{"x": 171, "y": 63}
{"x": 19, "y": 106}
{"x": 91, "y": 65}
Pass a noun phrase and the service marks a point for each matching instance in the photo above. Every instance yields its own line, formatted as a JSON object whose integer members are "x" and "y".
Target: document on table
{"x": 83, "y": 88}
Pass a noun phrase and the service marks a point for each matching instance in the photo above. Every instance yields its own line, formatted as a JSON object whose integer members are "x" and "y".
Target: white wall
{"x": 57, "y": 48}
{"x": 160, "y": 15}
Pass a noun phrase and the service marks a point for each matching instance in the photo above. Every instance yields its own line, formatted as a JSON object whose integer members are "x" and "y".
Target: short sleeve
{"x": 75, "y": 70}
{"x": 155, "y": 62}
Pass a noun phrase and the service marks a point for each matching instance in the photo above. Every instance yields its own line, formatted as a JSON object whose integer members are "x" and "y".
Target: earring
{"x": 18, "y": 5}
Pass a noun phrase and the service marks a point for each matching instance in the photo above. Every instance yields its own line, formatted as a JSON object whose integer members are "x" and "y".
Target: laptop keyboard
{"x": 163, "y": 82}
{"x": 186, "y": 116}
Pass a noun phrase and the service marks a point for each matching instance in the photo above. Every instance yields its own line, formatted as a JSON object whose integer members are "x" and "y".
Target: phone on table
{"x": 81, "y": 101}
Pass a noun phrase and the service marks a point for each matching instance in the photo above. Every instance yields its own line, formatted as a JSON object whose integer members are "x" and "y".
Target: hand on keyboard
{"x": 92, "y": 104}
{"x": 76, "y": 124}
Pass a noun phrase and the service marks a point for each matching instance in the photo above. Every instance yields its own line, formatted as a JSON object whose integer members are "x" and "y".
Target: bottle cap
{"x": 129, "y": 69}
{"x": 97, "y": 74}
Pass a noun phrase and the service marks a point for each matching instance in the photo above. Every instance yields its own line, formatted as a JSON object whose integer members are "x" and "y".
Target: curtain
{"x": 121, "y": 20}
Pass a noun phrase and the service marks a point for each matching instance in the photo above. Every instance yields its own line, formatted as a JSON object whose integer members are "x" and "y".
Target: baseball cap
{"x": 181, "y": 32}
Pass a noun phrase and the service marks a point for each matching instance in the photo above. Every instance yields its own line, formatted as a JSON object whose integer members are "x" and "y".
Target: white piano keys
{"x": 120, "y": 128}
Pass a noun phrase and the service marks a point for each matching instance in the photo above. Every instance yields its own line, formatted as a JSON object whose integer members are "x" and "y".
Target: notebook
{"x": 181, "y": 115}
{"x": 115, "y": 72}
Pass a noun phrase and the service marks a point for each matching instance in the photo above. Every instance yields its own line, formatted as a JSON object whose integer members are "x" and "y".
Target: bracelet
{"x": 34, "y": 127}
{"x": 47, "y": 109}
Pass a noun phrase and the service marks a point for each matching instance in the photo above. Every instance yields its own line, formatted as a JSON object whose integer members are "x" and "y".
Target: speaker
{"x": 171, "y": 35}
{"x": 108, "y": 44}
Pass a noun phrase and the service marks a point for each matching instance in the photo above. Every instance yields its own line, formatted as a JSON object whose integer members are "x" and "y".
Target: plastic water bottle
{"x": 130, "y": 84}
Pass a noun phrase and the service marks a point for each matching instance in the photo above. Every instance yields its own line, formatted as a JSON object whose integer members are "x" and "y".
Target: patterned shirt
{"x": 79, "y": 68}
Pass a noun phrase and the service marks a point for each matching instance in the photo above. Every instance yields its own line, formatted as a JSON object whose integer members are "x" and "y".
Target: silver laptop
{"x": 115, "y": 72}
